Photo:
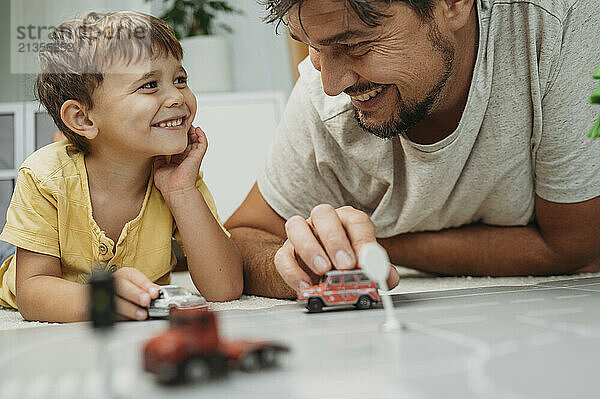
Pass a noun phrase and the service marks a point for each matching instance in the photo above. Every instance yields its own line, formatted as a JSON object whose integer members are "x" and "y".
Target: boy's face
{"x": 143, "y": 108}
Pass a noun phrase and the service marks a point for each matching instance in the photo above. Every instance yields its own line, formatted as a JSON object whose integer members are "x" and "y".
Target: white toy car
{"x": 170, "y": 296}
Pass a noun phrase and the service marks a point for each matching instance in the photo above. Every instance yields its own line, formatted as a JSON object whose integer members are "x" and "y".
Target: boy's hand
{"x": 134, "y": 291}
{"x": 181, "y": 173}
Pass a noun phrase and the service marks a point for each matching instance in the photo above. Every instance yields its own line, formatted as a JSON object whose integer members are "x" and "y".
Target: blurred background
{"x": 240, "y": 100}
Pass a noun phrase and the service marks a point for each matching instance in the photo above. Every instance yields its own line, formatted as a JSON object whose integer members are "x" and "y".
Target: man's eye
{"x": 181, "y": 80}
{"x": 358, "y": 49}
{"x": 149, "y": 85}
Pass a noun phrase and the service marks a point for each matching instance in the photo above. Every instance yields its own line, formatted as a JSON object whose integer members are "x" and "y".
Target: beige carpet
{"x": 411, "y": 281}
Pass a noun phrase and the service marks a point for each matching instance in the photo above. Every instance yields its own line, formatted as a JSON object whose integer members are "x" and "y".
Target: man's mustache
{"x": 363, "y": 88}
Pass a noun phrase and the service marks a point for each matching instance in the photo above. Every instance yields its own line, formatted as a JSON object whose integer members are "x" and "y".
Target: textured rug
{"x": 411, "y": 281}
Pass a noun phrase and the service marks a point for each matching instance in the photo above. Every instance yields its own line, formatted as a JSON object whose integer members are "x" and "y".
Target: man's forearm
{"x": 478, "y": 250}
{"x": 258, "y": 249}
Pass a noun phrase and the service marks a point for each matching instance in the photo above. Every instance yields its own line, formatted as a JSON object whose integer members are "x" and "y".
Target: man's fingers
{"x": 393, "y": 278}
{"x": 333, "y": 237}
{"x": 130, "y": 310}
{"x": 306, "y": 246}
{"x": 358, "y": 226}
{"x": 288, "y": 267}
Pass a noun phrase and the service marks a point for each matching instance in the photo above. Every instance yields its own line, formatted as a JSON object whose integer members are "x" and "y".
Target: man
{"x": 452, "y": 131}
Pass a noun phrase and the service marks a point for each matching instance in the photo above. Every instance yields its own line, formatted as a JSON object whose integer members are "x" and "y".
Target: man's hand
{"x": 180, "y": 173}
{"x": 329, "y": 239}
{"x": 134, "y": 291}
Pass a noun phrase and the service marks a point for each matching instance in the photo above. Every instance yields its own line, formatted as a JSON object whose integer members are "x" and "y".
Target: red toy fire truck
{"x": 339, "y": 288}
{"x": 191, "y": 350}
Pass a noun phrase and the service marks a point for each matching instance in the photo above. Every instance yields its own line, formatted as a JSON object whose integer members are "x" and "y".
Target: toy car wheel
{"x": 167, "y": 374}
{"x": 364, "y": 302}
{"x": 268, "y": 357}
{"x": 315, "y": 305}
{"x": 218, "y": 365}
{"x": 196, "y": 369}
{"x": 250, "y": 361}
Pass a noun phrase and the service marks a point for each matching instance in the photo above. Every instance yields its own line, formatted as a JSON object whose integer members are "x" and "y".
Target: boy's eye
{"x": 149, "y": 85}
{"x": 181, "y": 80}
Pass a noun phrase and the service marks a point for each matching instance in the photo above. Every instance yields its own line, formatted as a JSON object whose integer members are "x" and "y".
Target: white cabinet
{"x": 240, "y": 128}
{"x": 11, "y": 151}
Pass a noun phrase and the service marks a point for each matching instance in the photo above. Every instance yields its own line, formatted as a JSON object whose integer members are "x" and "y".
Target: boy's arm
{"x": 214, "y": 261}
{"x": 43, "y": 295}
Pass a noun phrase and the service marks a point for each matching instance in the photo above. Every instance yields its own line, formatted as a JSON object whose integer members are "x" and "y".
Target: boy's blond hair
{"x": 72, "y": 65}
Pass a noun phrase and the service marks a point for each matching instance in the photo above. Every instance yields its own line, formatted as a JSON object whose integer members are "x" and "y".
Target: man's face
{"x": 394, "y": 73}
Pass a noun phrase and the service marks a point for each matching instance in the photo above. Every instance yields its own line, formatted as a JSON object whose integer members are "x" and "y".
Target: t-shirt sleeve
{"x": 32, "y": 217}
{"x": 210, "y": 202}
{"x": 292, "y": 181}
{"x": 567, "y": 161}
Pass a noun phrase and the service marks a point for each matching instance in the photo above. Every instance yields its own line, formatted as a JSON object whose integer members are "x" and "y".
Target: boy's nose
{"x": 175, "y": 98}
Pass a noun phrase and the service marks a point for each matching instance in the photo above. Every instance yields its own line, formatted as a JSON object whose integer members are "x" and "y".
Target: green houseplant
{"x": 206, "y": 49}
{"x": 196, "y": 17}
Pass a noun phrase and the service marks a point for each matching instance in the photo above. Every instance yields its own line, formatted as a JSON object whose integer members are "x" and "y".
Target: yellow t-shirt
{"x": 51, "y": 213}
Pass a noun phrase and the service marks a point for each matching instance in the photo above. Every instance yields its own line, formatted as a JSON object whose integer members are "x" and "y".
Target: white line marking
{"x": 527, "y": 300}
{"x": 67, "y": 385}
{"x": 582, "y": 331}
{"x": 532, "y": 321}
{"x": 38, "y": 387}
{"x": 431, "y": 308}
{"x": 457, "y": 320}
{"x": 572, "y": 296}
{"x": 40, "y": 344}
{"x": 476, "y": 305}
{"x": 554, "y": 312}
{"x": 545, "y": 338}
{"x": 12, "y": 389}
{"x": 533, "y": 289}
{"x": 478, "y": 381}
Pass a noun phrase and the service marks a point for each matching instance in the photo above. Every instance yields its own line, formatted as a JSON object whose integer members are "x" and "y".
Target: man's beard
{"x": 406, "y": 116}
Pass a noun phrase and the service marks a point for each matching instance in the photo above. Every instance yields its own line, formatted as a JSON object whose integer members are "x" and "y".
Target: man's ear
{"x": 74, "y": 115}
{"x": 457, "y": 12}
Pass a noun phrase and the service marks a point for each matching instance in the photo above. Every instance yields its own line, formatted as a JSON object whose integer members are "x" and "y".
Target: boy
{"x": 111, "y": 193}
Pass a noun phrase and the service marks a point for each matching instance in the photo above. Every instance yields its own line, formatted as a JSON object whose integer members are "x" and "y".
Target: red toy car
{"x": 191, "y": 350}
{"x": 339, "y": 288}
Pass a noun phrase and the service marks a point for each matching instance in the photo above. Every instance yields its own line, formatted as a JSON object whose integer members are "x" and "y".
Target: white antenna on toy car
{"x": 374, "y": 261}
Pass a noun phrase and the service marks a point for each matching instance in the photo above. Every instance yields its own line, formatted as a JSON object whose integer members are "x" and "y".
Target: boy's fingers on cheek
{"x": 129, "y": 310}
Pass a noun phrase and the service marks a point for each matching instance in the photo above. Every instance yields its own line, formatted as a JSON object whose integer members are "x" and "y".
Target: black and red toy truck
{"x": 191, "y": 350}
{"x": 340, "y": 288}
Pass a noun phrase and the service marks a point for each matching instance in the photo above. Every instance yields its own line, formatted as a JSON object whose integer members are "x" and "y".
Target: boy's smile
{"x": 143, "y": 108}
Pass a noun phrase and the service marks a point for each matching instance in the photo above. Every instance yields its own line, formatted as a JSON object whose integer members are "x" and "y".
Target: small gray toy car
{"x": 170, "y": 296}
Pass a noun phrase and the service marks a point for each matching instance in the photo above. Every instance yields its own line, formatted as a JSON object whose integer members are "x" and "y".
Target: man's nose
{"x": 336, "y": 73}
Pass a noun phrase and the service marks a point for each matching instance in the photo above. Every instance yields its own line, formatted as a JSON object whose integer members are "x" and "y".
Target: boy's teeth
{"x": 174, "y": 122}
{"x": 366, "y": 96}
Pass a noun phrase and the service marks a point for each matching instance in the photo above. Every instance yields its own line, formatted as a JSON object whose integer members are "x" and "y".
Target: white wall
{"x": 260, "y": 58}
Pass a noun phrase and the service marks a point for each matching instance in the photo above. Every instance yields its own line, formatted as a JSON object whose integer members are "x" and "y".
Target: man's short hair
{"x": 80, "y": 50}
{"x": 366, "y": 10}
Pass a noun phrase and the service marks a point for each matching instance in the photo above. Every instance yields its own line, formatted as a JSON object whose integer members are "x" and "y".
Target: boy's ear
{"x": 74, "y": 115}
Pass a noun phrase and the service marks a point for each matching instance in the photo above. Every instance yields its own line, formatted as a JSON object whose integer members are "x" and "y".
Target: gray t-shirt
{"x": 523, "y": 132}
